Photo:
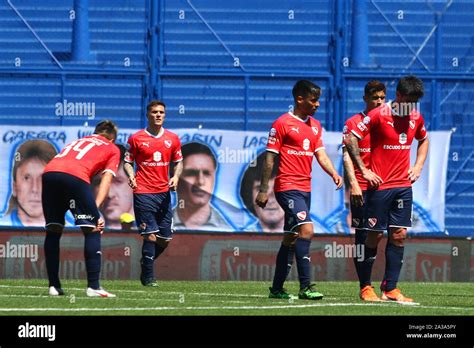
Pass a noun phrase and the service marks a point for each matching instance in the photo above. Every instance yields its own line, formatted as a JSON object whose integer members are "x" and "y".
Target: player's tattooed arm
{"x": 177, "y": 170}
{"x": 352, "y": 145}
{"x": 325, "y": 163}
{"x": 128, "y": 168}
{"x": 262, "y": 197}
{"x": 349, "y": 174}
{"x": 422, "y": 151}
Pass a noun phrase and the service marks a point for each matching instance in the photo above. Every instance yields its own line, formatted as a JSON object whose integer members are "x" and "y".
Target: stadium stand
{"x": 223, "y": 65}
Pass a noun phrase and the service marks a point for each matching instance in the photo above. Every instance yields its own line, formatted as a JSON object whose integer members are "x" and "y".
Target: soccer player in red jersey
{"x": 374, "y": 96}
{"x": 152, "y": 150}
{"x": 66, "y": 186}
{"x": 392, "y": 128}
{"x": 296, "y": 137}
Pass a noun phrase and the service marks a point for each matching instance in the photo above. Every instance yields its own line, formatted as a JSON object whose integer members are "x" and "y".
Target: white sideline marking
{"x": 208, "y": 308}
{"x": 46, "y": 287}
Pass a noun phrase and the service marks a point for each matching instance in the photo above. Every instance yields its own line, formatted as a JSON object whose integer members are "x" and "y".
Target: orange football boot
{"x": 395, "y": 295}
{"x": 368, "y": 294}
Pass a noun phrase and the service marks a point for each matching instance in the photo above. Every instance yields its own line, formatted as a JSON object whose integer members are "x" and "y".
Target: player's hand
{"x": 262, "y": 199}
{"x": 132, "y": 182}
{"x": 338, "y": 181}
{"x": 356, "y": 197}
{"x": 100, "y": 225}
{"x": 414, "y": 174}
{"x": 373, "y": 179}
{"x": 173, "y": 184}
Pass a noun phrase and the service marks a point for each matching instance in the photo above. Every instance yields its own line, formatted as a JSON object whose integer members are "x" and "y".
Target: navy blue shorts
{"x": 153, "y": 214}
{"x": 388, "y": 208}
{"x": 357, "y": 213}
{"x": 296, "y": 205}
{"x": 62, "y": 192}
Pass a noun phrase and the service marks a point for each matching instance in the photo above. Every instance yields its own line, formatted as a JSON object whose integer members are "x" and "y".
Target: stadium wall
{"x": 230, "y": 256}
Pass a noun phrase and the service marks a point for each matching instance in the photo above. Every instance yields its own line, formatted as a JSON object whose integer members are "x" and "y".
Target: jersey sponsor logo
{"x": 157, "y": 156}
{"x": 372, "y": 222}
{"x": 402, "y": 138}
{"x": 296, "y": 129}
{"x": 83, "y": 217}
{"x": 412, "y": 124}
{"x": 301, "y": 215}
{"x": 364, "y": 149}
{"x": 273, "y": 132}
{"x": 396, "y": 147}
{"x": 147, "y": 144}
{"x": 306, "y": 144}
{"x": 300, "y": 153}
{"x": 315, "y": 130}
{"x": 168, "y": 143}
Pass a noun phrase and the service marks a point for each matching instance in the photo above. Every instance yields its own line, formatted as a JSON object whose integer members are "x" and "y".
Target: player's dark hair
{"x": 374, "y": 86}
{"x": 304, "y": 88}
{"x": 154, "y": 103}
{"x": 411, "y": 86}
{"x": 107, "y": 129}
{"x": 194, "y": 148}
{"x": 41, "y": 150}
{"x": 251, "y": 175}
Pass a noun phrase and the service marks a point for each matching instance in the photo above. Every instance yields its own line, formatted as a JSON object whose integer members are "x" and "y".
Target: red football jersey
{"x": 391, "y": 137}
{"x": 296, "y": 141}
{"x": 364, "y": 146}
{"x": 152, "y": 155}
{"x": 86, "y": 157}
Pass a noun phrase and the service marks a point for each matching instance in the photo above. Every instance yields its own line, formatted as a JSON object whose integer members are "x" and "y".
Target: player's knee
{"x": 398, "y": 236}
{"x": 54, "y": 228}
{"x": 163, "y": 242}
{"x": 373, "y": 239}
{"x": 289, "y": 239}
{"x": 306, "y": 231}
{"x": 150, "y": 237}
{"x": 86, "y": 229}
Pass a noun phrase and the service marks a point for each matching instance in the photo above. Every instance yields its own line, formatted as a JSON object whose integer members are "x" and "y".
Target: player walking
{"x": 153, "y": 149}
{"x": 374, "y": 96}
{"x": 66, "y": 186}
{"x": 392, "y": 128}
{"x": 296, "y": 137}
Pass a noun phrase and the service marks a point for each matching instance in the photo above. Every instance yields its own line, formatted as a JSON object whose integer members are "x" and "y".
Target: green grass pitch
{"x": 29, "y": 297}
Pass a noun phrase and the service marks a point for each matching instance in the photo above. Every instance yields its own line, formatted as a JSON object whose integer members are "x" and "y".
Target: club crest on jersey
{"x": 402, "y": 138}
{"x": 412, "y": 124}
{"x": 301, "y": 215}
{"x": 168, "y": 143}
{"x": 372, "y": 222}
{"x": 315, "y": 130}
{"x": 306, "y": 143}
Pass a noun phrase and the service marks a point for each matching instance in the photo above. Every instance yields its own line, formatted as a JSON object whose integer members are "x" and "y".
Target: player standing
{"x": 66, "y": 186}
{"x": 374, "y": 96}
{"x": 296, "y": 137}
{"x": 392, "y": 128}
{"x": 153, "y": 149}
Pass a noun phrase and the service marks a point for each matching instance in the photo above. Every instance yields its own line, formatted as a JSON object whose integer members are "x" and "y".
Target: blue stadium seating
{"x": 231, "y": 65}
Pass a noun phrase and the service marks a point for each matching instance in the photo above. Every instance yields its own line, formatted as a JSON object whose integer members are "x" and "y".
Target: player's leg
{"x": 145, "y": 207}
{"x": 400, "y": 220}
{"x": 285, "y": 255}
{"x": 54, "y": 209}
{"x": 375, "y": 222}
{"x": 357, "y": 221}
{"x": 87, "y": 218}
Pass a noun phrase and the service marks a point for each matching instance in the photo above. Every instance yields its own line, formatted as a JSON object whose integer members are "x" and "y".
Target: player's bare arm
{"x": 352, "y": 145}
{"x": 128, "y": 168}
{"x": 325, "y": 163}
{"x": 422, "y": 151}
{"x": 104, "y": 187}
{"x": 177, "y": 170}
{"x": 355, "y": 191}
{"x": 262, "y": 197}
